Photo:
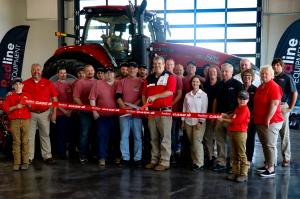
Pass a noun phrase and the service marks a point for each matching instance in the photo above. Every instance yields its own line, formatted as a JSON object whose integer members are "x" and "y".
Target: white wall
{"x": 41, "y": 41}
{"x": 277, "y": 16}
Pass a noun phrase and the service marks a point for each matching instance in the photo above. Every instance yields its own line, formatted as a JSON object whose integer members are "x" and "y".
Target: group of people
{"x": 249, "y": 103}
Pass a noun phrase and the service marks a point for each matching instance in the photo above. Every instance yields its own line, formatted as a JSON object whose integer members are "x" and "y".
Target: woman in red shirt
{"x": 19, "y": 116}
{"x": 268, "y": 118}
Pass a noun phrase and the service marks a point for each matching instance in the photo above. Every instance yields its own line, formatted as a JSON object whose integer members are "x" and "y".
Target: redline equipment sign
{"x": 12, "y": 49}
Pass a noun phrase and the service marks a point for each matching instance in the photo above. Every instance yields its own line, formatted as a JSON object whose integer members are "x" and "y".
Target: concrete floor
{"x": 71, "y": 180}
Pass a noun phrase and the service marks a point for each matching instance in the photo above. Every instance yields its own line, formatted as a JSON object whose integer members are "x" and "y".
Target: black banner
{"x": 288, "y": 49}
{"x": 12, "y": 49}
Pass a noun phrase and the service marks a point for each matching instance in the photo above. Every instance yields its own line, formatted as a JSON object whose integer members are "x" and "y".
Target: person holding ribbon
{"x": 195, "y": 101}
{"x": 19, "y": 115}
{"x": 40, "y": 89}
{"x": 158, "y": 91}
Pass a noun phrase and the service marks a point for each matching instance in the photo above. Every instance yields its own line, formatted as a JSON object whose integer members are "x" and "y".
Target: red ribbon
{"x": 141, "y": 111}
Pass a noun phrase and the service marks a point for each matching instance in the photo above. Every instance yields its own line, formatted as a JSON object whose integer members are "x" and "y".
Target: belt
{"x": 168, "y": 108}
{"x": 39, "y": 111}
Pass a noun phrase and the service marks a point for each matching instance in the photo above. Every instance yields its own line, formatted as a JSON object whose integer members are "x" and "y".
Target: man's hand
{"x": 96, "y": 115}
{"x": 19, "y": 106}
{"x": 286, "y": 110}
{"x": 53, "y": 117}
{"x": 151, "y": 99}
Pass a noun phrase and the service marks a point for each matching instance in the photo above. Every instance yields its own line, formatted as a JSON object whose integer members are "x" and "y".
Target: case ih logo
{"x": 10, "y": 64}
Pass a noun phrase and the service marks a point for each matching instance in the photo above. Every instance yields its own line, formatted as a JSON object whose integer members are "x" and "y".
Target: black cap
{"x": 17, "y": 79}
{"x": 142, "y": 66}
{"x": 133, "y": 64}
{"x": 109, "y": 69}
{"x": 243, "y": 95}
{"x": 100, "y": 69}
{"x": 124, "y": 64}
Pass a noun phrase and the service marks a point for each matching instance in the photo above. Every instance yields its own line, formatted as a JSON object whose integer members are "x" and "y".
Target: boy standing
{"x": 237, "y": 130}
{"x": 19, "y": 116}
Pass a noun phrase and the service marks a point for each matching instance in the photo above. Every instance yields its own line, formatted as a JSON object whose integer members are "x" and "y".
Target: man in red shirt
{"x": 19, "y": 116}
{"x": 103, "y": 95}
{"x": 158, "y": 91}
{"x": 81, "y": 94}
{"x": 129, "y": 90}
{"x": 64, "y": 120}
{"x": 177, "y": 106}
{"x": 40, "y": 89}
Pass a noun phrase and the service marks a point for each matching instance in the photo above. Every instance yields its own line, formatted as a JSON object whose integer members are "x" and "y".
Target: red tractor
{"x": 114, "y": 34}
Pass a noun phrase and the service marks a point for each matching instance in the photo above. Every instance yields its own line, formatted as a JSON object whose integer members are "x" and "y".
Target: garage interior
{"x": 264, "y": 21}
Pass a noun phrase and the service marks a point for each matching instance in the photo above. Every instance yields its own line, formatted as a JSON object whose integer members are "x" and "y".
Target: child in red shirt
{"x": 238, "y": 132}
{"x": 19, "y": 116}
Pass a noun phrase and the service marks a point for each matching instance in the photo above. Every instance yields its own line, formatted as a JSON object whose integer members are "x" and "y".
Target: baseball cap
{"x": 142, "y": 66}
{"x": 133, "y": 64}
{"x": 243, "y": 95}
{"x": 17, "y": 79}
{"x": 109, "y": 69}
{"x": 124, "y": 64}
{"x": 100, "y": 69}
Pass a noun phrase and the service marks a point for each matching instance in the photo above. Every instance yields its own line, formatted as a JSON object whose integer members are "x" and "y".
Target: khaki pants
{"x": 268, "y": 138}
{"x": 20, "y": 134}
{"x": 238, "y": 153}
{"x": 209, "y": 136}
{"x": 285, "y": 134}
{"x": 221, "y": 139}
{"x": 160, "y": 133}
{"x": 42, "y": 122}
{"x": 195, "y": 136}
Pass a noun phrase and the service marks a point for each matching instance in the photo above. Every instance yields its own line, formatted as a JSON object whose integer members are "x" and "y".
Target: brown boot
{"x": 242, "y": 178}
{"x": 232, "y": 177}
{"x": 150, "y": 166}
{"x": 16, "y": 167}
{"x": 161, "y": 168}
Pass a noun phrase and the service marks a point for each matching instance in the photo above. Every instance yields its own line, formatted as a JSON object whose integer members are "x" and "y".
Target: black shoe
{"x": 125, "y": 163}
{"x": 138, "y": 164}
{"x": 219, "y": 168}
{"x": 268, "y": 174}
{"x": 50, "y": 161}
{"x": 197, "y": 168}
{"x": 261, "y": 169}
{"x": 83, "y": 160}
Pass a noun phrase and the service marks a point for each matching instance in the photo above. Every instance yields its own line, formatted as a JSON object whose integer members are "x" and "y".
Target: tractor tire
{"x": 71, "y": 65}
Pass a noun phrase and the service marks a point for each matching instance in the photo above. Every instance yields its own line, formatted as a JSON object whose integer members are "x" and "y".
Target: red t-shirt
{"x": 186, "y": 86}
{"x": 64, "y": 90}
{"x": 241, "y": 120}
{"x": 82, "y": 89}
{"x": 42, "y": 90}
{"x": 262, "y": 98}
{"x": 104, "y": 94}
{"x": 130, "y": 88}
{"x": 165, "y": 82}
{"x": 13, "y": 99}
{"x": 179, "y": 86}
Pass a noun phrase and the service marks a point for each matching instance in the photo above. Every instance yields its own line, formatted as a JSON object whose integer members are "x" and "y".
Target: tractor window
{"x": 95, "y": 29}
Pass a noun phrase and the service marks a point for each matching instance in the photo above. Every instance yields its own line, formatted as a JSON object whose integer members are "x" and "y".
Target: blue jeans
{"x": 106, "y": 128}
{"x": 175, "y": 142}
{"x": 64, "y": 132}
{"x": 86, "y": 119}
{"x": 135, "y": 125}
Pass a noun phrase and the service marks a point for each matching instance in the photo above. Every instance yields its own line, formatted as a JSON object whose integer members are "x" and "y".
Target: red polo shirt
{"x": 64, "y": 90}
{"x": 12, "y": 99}
{"x": 262, "y": 98}
{"x": 42, "y": 90}
{"x": 153, "y": 85}
{"x": 241, "y": 120}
